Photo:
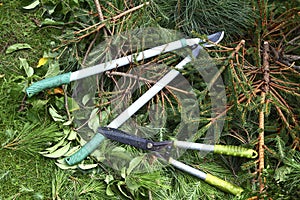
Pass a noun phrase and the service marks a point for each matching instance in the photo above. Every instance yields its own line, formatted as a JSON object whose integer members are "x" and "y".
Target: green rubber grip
{"x": 235, "y": 151}
{"x": 48, "y": 83}
{"x": 223, "y": 185}
{"x": 86, "y": 150}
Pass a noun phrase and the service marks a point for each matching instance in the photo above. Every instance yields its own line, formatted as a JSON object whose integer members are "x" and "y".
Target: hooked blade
{"x": 215, "y": 38}
{"x": 125, "y": 138}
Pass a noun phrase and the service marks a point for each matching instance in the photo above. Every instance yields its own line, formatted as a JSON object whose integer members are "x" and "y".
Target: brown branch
{"x": 261, "y": 137}
{"x": 144, "y": 80}
{"x": 266, "y": 67}
{"x": 66, "y": 102}
{"x": 100, "y": 15}
{"x": 102, "y": 23}
{"x": 129, "y": 11}
{"x": 261, "y": 143}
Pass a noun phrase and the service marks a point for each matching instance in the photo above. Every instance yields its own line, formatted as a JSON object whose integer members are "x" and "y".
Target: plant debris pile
{"x": 259, "y": 62}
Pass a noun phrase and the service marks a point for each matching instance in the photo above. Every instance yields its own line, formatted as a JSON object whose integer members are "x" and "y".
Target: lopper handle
{"x": 86, "y": 150}
{"x": 208, "y": 178}
{"x": 48, "y": 83}
{"x": 235, "y": 151}
{"x": 223, "y": 185}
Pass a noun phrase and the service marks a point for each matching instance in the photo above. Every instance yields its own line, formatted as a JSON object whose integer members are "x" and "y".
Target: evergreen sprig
{"x": 206, "y": 16}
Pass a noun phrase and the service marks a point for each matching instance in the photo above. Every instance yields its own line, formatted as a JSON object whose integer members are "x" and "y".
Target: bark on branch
{"x": 265, "y": 90}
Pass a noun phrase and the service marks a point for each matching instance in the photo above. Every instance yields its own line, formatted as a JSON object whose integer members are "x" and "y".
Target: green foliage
{"x": 282, "y": 171}
{"x": 54, "y": 36}
{"x": 206, "y": 16}
{"x": 31, "y": 138}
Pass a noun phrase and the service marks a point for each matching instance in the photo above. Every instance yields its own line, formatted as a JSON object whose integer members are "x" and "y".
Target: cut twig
{"x": 102, "y": 24}
{"x": 129, "y": 11}
{"x": 265, "y": 90}
{"x": 66, "y": 102}
{"x": 100, "y": 15}
{"x": 144, "y": 80}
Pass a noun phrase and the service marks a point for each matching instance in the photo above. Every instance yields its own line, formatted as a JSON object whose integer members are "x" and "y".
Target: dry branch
{"x": 265, "y": 90}
{"x": 100, "y": 14}
{"x": 102, "y": 24}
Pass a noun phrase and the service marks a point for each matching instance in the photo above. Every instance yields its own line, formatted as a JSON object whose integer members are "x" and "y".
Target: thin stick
{"x": 220, "y": 71}
{"x": 66, "y": 102}
{"x": 144, "y": 79}
{"x": 129, "y": 11}
{"x": 100, "y": 14}
{"x": 261, "y": 137}
{"x": 102, "y": 23}
{"x": 261, "y": 143}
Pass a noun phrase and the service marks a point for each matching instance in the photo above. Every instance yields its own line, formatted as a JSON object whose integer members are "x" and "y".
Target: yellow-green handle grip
{"x": 235, "y": 151}
{"x": 223, "y": 185}
{"x": 208, "y": 178}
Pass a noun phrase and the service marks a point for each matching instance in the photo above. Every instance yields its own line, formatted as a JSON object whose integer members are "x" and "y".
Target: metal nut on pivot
{"x": 149, "y": 145}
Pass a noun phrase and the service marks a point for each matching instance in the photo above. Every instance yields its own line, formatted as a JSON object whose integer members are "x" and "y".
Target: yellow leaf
{"x": 42, "y": 62}
{"x": 56, "y": 91}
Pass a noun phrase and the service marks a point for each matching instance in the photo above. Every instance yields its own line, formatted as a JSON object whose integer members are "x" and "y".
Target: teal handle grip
{"x": 86, "y": 150}
{"x": 48, "y": 83}
{"x": 223, "y": 185}
{"x": 235, "y": 151}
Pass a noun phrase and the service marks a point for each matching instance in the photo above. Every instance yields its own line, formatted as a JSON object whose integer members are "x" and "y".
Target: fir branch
{"x": 33, "y": 137}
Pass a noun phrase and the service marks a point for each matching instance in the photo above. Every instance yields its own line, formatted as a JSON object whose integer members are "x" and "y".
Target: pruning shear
{"x": 167, "y": 146}
{"x": 164, "y": 150}
{"x": 97, "y": 139}
{"x": 69, "y": 77}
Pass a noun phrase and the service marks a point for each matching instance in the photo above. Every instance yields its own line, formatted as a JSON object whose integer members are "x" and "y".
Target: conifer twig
{"x": 231, "y": 57}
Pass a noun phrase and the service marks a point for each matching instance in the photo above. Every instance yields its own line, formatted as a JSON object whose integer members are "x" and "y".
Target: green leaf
{"x": 94, "y": 120}
{"x": 132, "y": 185}
{"x": 39, "y": 104}
{"x": 55, "y": 116}
{"x": 123, "y": 172}
{"x": 62, "y": 142}
{"x": 109, "y": 191}
{"x": 72, "y": 105}
{"x": 86, "y": 99}
{"x": 120, "y": 184}
{"x": 104, "y": 117}
{"x": 72, "y": 135}
{"x": 53, "y": 69}
{"x": 24, "y": 64}
{"x": 121, "y": 152}
{"x": 16, "y": 47}
{"x": 87, "y": 166}
{"x": 32, "y": 5}
{"x": 69, "y": 122}
{"x": 66, "y": 166}
{"x": 52, "y": 22}
{"x": 72, "y": 150}
{"x": 134, "y": 163}
{"x": 59, "y": 152}
{"x": 108, "y": 179}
